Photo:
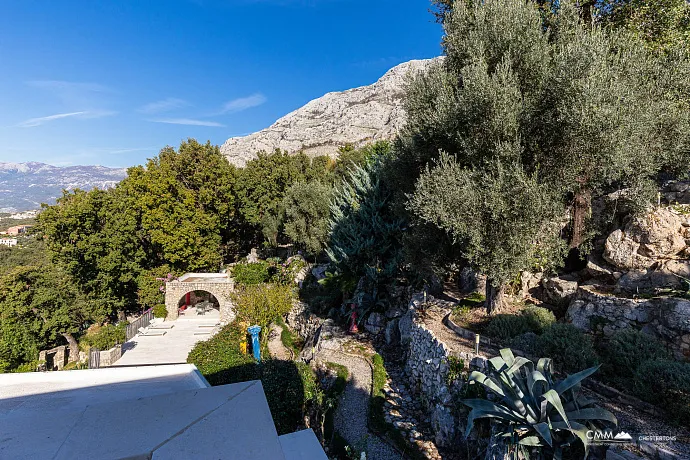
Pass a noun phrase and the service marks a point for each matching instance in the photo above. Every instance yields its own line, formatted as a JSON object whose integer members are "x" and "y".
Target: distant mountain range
{"x": 356, "y": 116}
{"x": 24, "y": 186}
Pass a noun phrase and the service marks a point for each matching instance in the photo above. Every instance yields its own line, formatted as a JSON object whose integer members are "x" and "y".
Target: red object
{"x": 353, "y": 318}
{"x": 188, "y": 298}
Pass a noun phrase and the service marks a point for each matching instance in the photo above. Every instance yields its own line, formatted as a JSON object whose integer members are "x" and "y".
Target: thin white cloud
{"x": 30, "y": 123}
{"x": 189, "y": 122}
{"x": 33, "y": 122}
{"x": 163, "y": 105}
{"x": 244, "y": 103}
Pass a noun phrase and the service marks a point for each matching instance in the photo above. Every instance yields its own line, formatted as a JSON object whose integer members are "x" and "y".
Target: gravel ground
{"x": 353, "y": 408}
{"x": 275, "y": 345}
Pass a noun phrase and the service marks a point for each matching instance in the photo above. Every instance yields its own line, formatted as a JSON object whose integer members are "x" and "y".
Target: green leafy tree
{"x": 307, "y": 210}
{"x": 39, "y": 307}
{"x": 580, "y": 110}
{"x": 176, "y": 212}
{"x": 664, "y": 25}
{"x": 502, "y": 217}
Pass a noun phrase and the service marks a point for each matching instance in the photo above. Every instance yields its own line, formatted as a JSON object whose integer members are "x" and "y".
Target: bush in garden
{"x": 569, "y": 347}
{"x": 530, "y": 319}
{"x": 289, "y": 387}
{"x": 505, "y": 327}
{"x": 262, "y": 304}
{"x": 626, "y": 351}
{"x": 251, "y": 273}
{"x": 526, "y": 342}
{"x": 159, "y": 311}
{"x": 665, "y": 383}
{"x": 539, "y": 318}
{"x": 106, "y": 337}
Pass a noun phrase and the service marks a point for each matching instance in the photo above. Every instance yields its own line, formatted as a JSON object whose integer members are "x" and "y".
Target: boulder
{"x": 559, "y": 290}
{"x": 392, "y": 332}
{"x": 319, "y": 271}
{"x": 647, "y": 281}
{"x": 531, "y": 284}
{"x": 405, "y": 327}
{"x": 646, "y": 240}
{"x": 375, "y": 323}
{"x": 471, "y": 281}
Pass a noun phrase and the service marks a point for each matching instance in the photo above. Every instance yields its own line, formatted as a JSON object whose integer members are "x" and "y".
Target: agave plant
{"x": 532, "y": 412}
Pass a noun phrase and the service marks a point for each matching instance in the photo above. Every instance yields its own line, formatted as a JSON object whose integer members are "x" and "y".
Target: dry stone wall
{"x": 427, "y": 369}
{"x": 667, "y": 318}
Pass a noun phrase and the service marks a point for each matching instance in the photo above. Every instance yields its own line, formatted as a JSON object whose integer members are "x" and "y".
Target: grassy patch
{"x": 290, "y": 340}
{"x": 377, "y": 420}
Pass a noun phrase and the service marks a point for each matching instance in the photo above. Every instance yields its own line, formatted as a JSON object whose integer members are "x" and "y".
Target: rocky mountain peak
{"x": 355, "y": 116}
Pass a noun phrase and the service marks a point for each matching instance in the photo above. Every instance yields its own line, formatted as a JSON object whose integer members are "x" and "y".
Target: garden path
{"x": 353, "y": 408}
{"x": 275, "y": 344}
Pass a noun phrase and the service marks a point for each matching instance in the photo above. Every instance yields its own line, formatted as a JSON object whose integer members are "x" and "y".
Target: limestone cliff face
{"x": 356, "y": 116}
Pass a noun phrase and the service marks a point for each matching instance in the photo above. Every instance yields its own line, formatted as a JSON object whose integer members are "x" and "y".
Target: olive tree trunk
{"x": 582, "y": 206}
{"x": 495, "y": 297}
{"x": 73, "y": 347}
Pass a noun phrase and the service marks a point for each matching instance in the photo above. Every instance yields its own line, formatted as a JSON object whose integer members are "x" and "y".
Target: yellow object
{"x": 243, "y": 347}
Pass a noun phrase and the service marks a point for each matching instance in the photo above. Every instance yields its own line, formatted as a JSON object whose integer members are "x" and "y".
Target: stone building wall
{"x": 667, "y": 318}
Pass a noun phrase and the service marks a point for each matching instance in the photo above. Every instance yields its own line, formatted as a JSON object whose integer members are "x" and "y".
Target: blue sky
{"x": 111, "y": 82}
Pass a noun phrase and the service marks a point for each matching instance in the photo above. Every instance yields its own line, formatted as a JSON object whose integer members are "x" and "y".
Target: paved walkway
{"x": 174, "y": 346}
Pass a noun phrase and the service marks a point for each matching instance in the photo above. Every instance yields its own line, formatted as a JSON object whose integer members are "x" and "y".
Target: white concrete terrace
{"x": 152, "y": 412}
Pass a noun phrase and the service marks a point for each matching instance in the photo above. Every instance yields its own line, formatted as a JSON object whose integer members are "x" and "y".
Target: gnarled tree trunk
{"x": 582, "y": 206}
{"x": 73, "y": 347}
{"x": 495, "y": 299}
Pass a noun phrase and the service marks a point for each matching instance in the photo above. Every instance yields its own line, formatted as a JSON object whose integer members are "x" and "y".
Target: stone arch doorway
{"x": 192, "y": 299}
{"x": 219, "y": 285}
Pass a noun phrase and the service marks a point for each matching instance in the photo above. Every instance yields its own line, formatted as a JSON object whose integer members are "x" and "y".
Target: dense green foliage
{"x": 536, "y": 117}
{"x": 569, "y": 348}
{"x": 667, "y": 384}
{"x": 289, "y": 387}
{"x": 106, "y": 337}
{"x": 38, "y": 307}
{"x": 262, "y": 304}
{"x": 545, "y": 415}
{"x": 530, "y": 319}
{"x": 365, "y": 236}
{"x": 307, "y": 210}
{"x": 160, "y": 311}
{"x": 251, "y": 273}
{"x": 625, "y": 352}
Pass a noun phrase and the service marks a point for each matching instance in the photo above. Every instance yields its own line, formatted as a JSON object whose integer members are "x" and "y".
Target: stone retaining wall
{"x": 427, "y": 368}
{"x": 667, "y": 318}
{"x": 108, "y": 357}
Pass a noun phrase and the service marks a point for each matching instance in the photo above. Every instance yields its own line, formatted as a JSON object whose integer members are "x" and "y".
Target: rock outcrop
{"x": 356, "y": 116}
{"x": 660, "y": 235}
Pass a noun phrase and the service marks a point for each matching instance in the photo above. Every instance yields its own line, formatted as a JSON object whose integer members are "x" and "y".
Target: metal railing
{"x": 143, "y": 321}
